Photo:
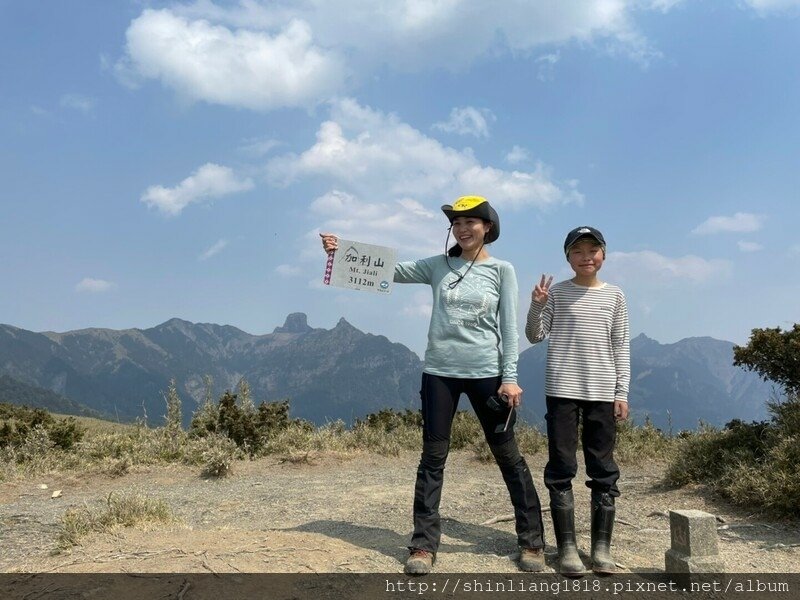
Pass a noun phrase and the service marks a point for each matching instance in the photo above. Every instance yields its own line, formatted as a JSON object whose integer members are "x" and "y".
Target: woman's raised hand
{"x": 329, "y": 242}
{"x": 542, "y": 290}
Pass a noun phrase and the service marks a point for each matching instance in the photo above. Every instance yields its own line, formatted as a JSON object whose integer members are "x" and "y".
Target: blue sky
{"x": 165, "y": 159}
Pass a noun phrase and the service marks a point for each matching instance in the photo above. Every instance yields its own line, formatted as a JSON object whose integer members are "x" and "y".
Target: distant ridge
{"x": 341, "y": 373}
{"x": 680, "y": 384}
{"x": 22, "y": 394}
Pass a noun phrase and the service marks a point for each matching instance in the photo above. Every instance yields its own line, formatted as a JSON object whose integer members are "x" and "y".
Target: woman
{"x": 472, "y": 349}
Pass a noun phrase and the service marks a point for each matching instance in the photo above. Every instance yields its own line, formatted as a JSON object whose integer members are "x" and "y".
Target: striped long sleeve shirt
{"x": 588, "y": 357}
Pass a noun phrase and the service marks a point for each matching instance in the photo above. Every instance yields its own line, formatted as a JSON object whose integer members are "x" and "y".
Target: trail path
{"x": 351, "y": 515}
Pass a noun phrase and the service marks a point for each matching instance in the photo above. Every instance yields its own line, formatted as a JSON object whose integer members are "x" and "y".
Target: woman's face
{"x": 469, "y": 232}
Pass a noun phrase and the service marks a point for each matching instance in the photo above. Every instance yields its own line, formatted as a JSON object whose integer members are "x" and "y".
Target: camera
{"x": 498, "y": 404}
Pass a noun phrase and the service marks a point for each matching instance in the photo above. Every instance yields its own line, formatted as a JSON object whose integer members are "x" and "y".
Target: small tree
{"x": 774, "y": 354}
{"x": 173, "y": 400}
{"x": 205, "y": 419}
{"x": 245, "y": 399}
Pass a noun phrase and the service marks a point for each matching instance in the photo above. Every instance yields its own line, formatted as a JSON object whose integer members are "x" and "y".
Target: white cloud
{"x": 263, "y": 55}
{"x": 288, "y": 270}
{"x": 467, "y": 120}
{"x": 258, "y": 147}
{"x": 664, "y": 5}
{"x": 387, "y": 181}
{"x": 766, "y": 7}
{"x": 653, "y": 268}
{"x": 244, "y": 68}
{"x": 421, "y": 305}
{"x": 546, "y": 66}
{"x": 749, "y": 246}
{"x": 402, "y": 223}
{"x": 518, "y": 155}
{"x": 93, "y": 285}
{"x": 739, "y": 223}
{"x": 374, "y": 155}
{"x": 218, "y": 246}
{"x": 39, "y": 111}
{"x": 84, "y": 104}
{"x": 209, "y": 181}
{"x": 794, "y": 250}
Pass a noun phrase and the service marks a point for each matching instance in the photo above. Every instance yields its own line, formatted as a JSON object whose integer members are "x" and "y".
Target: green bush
{"x": 17, "y": 422}
{"x": 250, "y": 428}
{"x": 389, "y": 420}
{"x": 751, "y": 464}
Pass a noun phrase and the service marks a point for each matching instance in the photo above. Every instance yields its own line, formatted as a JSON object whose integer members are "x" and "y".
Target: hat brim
{"x": 584, "y": 236}
{"x": 482, "y": 211}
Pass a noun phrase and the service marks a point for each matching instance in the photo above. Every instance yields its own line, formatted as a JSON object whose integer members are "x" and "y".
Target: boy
{"x": 588, "y": 372}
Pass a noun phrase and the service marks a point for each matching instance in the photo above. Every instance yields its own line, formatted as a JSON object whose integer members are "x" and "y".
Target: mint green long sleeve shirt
{"x": 473, "y": 328}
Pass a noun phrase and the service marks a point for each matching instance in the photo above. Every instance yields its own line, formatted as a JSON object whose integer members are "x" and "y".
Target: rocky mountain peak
{"x": 344, "y": 324}
{"x": 295, "y": 323}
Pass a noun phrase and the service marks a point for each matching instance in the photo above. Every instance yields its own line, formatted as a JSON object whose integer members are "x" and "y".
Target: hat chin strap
{"x": 460, "y": 276}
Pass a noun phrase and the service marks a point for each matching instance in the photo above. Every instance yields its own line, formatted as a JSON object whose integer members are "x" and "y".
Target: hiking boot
{"x": 531, "y": 559}
{"x": 603, "y": 512}
{"x": 419, "y": 562}
{"x": 562, "y": 509}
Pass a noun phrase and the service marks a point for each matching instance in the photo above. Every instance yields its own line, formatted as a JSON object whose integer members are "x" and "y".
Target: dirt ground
{"x": 337, "y": 515}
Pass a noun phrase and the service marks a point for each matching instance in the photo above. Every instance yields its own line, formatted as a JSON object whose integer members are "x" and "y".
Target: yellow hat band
{"x": 467, "y": 203}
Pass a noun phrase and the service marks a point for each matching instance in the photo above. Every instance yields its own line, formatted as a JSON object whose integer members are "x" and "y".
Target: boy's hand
{"x": 542, "y": 290}
{"x": 620, "y": 410}
{"x": 511, "y": 392}
{"x": 329, "y": 242}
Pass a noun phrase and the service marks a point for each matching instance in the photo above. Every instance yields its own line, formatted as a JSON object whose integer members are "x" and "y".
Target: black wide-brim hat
{"x": 475, "y": 206}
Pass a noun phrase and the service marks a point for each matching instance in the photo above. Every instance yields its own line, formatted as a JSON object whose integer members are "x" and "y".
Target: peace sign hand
{"x": 542, "y": 290}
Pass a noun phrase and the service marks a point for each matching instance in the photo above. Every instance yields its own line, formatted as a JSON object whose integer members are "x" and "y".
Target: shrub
{"x": 250, "y": 428}
{"x": 17, "y": 422}
{"x": 638, "y": 444}
{"x": 530, "y": 439}
{"x": 36, "y": 446}
{"x": 217, "y": 455}
{"x": 751, "y": 464}
{"x": 389, "y": 420}
{"x": 466, "y": 430}
{"x": 65, "y": 433}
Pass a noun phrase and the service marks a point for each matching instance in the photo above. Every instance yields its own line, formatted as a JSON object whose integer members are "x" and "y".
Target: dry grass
{"x": 116, "y": 512}
{"x": 115, "y": 448}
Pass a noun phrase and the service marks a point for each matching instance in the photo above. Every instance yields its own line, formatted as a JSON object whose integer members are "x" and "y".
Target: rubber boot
{"x": 603, "y": 512}
{"x": 562, "y": 509}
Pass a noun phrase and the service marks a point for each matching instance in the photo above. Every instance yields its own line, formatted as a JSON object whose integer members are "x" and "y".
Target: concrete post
{"x": 695, "y": 547}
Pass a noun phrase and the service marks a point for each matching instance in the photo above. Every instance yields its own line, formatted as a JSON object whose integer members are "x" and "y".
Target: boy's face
{"x": 586, "y": 257}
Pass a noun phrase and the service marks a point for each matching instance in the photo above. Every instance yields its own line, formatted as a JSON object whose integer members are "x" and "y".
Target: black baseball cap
{"x": 475, "y": 206}
{"x": 584, "y": 231}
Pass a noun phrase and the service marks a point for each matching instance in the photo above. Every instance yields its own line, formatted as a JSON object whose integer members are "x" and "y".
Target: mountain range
{"x": 339, "y": 373}
{"x": 676, "y": 385}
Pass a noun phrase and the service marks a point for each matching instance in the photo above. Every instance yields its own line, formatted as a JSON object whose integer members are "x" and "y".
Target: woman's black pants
{"x": 439, "y": 403}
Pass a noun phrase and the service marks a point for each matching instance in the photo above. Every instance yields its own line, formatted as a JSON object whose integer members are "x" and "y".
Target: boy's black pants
{"x": 599, "y": 436}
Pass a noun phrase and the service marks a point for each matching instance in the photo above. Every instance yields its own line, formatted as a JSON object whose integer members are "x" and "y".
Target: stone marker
{"x": 694, "y": 543}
